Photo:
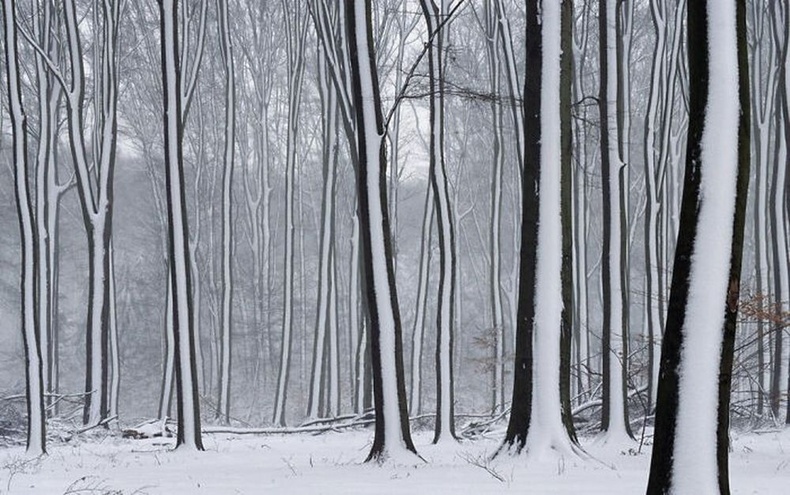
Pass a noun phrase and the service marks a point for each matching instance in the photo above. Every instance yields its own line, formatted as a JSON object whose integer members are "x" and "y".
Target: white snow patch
{"x": 332, "y": 464}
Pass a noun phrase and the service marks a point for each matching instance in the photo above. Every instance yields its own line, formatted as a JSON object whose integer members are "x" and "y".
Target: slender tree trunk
{"x": 325, "y": 264}
{"x": 295, "y": 29}
{"x": 418, "y": 330}
{"x": 566, "y": 211}
{"x": 113, "y": 345}
{"x": 445, "y": 319}
{"x": 580, "y": 206}
{"x": 169, "y": 353}
{"x": 226, "y": 45}
{"x": 493, "y": 27}
{"x": 614, "y": 421}
{"x": 31, "y": 336}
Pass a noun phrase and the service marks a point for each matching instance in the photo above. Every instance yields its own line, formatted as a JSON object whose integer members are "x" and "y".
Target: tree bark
{"x": 392, "y": 437}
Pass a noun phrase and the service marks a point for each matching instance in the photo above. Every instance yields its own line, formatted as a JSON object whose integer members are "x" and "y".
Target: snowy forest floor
{"x": 331, "y": 463}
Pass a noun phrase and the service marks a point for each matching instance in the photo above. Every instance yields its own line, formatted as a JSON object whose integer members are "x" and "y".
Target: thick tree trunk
{"x": 187, "y": 397}
{"x": 540, "y": 416}
{"x": 392, "y": 437}
{"x": 692, "y": 413}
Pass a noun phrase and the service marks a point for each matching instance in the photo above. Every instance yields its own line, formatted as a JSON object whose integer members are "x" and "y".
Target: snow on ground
{"x": 331, "y": 463}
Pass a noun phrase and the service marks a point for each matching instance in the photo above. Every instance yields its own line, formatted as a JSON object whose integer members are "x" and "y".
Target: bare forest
{"x": 455, "y": 234}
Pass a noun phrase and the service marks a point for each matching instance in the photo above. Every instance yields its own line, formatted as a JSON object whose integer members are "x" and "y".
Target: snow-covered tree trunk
{"x": 46, "y": 187}
{"x": 392, "y": 437}
{"x": 581, "y": 205}
{"x": 493, "y": 27}
{"x": 780, "y": 13}
{"x": 187, "y": 398}
{"x": 325, "y": 263}
{"x": 652, "y": 204}
{"x": 780, "y": 268}
{"x": 763, "y": 89}
{"x": 296, "y": 29}
{"x": 536, "y": 419}
{"x": 511, "y": 70}
{"x": 782, "y": 25}
{"x": 614, "y": 421}
{"x": 94, "y": 172}
{"x": 34, "y": 379}
{"x": 435, "y": 13}
{"x": 114, "y": 386}
{"x": 404, "y": 28}
{"x": 226, "y": 46}
{"x": 692, "y": 413}
{"x": 168, "y": 354}
{"x": 418, "y": 328}
{"x": 362, "y": 383}
{"x": 566, "y": 212}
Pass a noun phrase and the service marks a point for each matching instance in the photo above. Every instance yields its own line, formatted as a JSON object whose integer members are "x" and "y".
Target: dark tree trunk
{"x": 566, "y": 78}
{"x": 521, "y": 405}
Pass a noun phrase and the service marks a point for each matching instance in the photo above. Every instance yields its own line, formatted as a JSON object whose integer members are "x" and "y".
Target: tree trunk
{"x": 295, "y": 33}
{"x": 692, "y": 413}
{"x": 614, "y": 420}
{"x": 226, "y": 45}
{"x": 445, "y": 315}
{"x": 392, "y": 439}
{"x": 187, "y": 397}
{"x": 31, "y": 337}
{"x": 538, "y": 422}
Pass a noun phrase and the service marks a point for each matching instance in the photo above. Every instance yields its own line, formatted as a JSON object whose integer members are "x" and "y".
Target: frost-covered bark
{"x": 536, "y": 419}
{"x": 392, "y": 436}
{"x": 692, "y": 413}
{"x": 34, "y": 380}
{"x": 187, "y": 398}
